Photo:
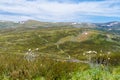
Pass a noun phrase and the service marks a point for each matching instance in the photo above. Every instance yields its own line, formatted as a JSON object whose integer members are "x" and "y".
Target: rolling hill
{"x": 53, "y": 51}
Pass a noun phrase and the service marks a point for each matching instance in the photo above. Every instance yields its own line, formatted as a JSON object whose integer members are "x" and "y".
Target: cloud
{"x": 57, "y": 10}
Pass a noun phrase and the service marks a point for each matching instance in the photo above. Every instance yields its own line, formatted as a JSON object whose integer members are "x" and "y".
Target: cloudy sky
{"x": 60, "y": 10}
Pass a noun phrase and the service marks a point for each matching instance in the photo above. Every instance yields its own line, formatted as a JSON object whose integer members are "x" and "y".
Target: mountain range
{"x": 114, "y": 25}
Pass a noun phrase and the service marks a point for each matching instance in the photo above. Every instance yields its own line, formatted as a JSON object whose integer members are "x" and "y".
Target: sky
{"x": 60, "y": 10}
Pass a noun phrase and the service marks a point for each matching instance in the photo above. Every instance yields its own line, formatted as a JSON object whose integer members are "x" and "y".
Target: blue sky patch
{"x": 60, "y": 10}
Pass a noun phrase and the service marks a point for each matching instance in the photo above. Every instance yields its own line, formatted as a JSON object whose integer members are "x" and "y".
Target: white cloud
{"x": 55, "y": 11}
{"x": 14, "y": 18}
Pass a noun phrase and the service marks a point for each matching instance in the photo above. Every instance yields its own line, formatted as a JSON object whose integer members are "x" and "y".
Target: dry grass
{"x": 16, "y": 67}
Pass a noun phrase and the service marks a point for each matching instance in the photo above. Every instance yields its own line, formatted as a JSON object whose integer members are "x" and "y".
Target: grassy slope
{"x": 53, "y": 43}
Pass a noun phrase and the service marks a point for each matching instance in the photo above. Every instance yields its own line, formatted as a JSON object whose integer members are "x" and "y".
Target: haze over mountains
{"x": 34, "y": 24}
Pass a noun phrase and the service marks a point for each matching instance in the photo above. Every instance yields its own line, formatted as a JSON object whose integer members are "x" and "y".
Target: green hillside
{"x": 58, "y": 53}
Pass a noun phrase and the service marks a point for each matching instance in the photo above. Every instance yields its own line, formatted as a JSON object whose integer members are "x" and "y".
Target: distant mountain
{"x": 115, "y": 25}
{"x": 36, "y": 24}
{"x": 8, "y": 24}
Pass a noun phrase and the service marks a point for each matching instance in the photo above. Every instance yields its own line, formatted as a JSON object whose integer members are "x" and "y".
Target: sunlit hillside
{"x": 59, "y": 53}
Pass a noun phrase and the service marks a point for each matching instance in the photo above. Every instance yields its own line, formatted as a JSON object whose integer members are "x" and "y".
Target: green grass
{"x": 52, "y": 62}
{"x": 15, "y": 67}
{"x": 95, "y": 74}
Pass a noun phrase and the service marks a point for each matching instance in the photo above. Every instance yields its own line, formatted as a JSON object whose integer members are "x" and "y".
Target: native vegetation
{"x": 59, "y": 53}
